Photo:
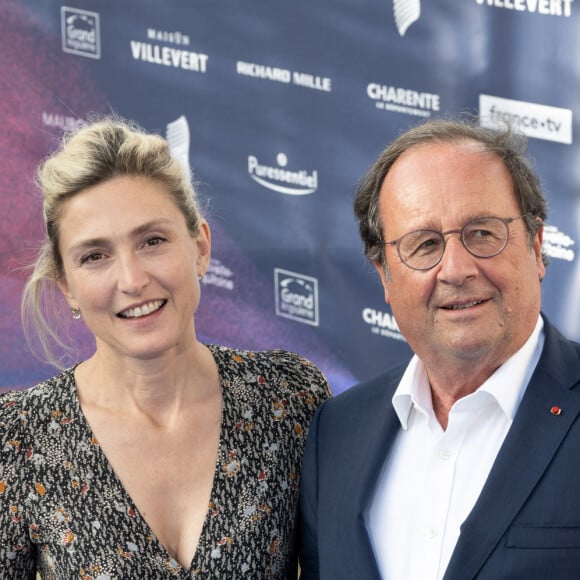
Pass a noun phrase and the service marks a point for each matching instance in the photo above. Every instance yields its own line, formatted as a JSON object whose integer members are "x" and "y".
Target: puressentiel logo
{"x": 534, "y": 120}
{"x": 80, "y": 32}
{"x": 406, "y": 12}
{"x": 279, "y": 178}
{"x": 296, "y": 296}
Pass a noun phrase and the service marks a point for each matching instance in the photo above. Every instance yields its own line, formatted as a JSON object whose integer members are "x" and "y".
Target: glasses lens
{"x": 485, "y": 237}
{"x": 421, "y": 249}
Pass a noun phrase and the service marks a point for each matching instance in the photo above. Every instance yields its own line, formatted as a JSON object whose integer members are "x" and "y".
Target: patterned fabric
{"x": 64, "y": 512}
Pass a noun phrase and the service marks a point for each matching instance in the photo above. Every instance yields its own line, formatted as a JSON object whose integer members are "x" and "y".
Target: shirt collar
{"x": 506, "y": 385}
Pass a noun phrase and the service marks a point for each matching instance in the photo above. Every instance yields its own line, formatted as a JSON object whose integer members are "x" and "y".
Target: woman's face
{"x": 131, "y": 266}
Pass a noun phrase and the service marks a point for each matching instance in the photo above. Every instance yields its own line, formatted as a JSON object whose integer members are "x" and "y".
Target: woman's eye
{"x": 154, "y": 241}
{"x": 92, "y": 257}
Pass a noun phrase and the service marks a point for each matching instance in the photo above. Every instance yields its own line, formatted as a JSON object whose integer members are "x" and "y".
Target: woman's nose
{"x": 132, "y": 276}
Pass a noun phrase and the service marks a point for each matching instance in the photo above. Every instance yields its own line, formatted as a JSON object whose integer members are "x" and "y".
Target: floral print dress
{"x": 65, "y": 514}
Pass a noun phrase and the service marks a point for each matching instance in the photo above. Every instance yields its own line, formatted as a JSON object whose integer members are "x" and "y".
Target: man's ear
{"x": 385, "y": 278}
{"x": 537, "y": 249}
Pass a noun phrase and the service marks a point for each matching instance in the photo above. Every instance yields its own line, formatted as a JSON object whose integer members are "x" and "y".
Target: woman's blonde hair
{"x": 97, "y": 151}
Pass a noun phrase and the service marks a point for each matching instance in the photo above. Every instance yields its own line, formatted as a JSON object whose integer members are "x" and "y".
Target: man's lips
{"x": 143, "y": 309}
{"x": 462, "y": 305}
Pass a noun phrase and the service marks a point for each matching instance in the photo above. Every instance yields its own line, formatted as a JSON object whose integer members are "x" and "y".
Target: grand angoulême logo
{"x": 80, "y": 32}
{"x": 296, "y": 296}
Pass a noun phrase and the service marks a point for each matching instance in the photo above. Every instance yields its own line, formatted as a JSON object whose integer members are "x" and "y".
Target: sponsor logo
{"x": 283, "y": 75}
{"x": 156, "y": 51}
{"x": 406, "y": 12}
{"x": 60, "y": 121}
{"x": 296, "y": 296}
{"x": 281, "y": 179}
{"x": 382, "y": 323}
{"x": 218, "y": 275}
{"x": 557, "y": 244}
{"x": 534, "y": 120}
{"x": 168, "y": 37}
{"x": 399, "y": 100}
{"x": 178, "y": 137}
{"x": 544, "y": 7}
{"x": 80, "y": 32}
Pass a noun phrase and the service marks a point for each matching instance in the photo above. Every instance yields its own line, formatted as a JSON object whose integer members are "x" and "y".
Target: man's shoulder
{"x": 553, "y": 333}
{"x": 559, "y": 363}
{"x": 558, "y": 345}
{"x": 367, "y": 394}
{"x": 363, "y": 411}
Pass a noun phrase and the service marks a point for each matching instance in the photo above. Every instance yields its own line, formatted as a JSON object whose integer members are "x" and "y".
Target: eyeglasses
{"x": 484, "y": 237}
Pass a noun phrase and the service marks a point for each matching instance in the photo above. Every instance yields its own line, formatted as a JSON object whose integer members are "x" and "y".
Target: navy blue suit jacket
{"x": 526, "y": 521}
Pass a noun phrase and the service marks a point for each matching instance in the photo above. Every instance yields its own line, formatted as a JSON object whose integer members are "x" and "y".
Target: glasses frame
{"x": 461, "y": 232}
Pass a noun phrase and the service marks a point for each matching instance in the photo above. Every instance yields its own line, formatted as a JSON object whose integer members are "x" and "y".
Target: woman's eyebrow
{"x": 139, "y": 230}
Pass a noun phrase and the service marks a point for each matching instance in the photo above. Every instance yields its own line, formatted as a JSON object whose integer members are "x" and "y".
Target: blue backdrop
{"x": 279, "y": 108}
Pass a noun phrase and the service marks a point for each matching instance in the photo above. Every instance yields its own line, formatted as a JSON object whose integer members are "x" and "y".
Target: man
{"x": 465, "y": 462}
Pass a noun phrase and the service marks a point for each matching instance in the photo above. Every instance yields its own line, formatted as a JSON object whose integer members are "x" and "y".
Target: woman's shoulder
{"x": 269, "y": 362}
{"x": 276, "y": 368}
{"x": 19, "y": 409}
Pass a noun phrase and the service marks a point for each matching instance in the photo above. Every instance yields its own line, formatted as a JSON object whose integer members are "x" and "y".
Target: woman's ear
{"x": 203, "y": 243}
{"x": 63, "y": 287}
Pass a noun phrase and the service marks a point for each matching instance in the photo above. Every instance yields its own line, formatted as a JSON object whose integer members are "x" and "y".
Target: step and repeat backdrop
{"x": 279, "y": 108}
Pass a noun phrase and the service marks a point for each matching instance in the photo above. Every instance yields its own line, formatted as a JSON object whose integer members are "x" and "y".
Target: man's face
{"x": 465, "y": 308}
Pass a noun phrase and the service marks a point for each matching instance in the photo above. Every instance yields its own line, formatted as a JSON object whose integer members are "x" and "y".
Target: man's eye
{"x": 483, "y": 235}
{"x": 427, "y": 245}
{"x": 479, "y": 233}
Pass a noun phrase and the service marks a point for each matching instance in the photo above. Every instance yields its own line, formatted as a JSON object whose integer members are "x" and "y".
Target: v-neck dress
{"x": 65, "y": 514}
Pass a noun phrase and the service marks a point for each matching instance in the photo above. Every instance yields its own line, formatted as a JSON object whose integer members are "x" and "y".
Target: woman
{"x": 158, "y": 456}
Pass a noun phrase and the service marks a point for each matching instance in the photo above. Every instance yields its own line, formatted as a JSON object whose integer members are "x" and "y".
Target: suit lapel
{"x": 529, "y": 447}
{"x": 371, "y": 439}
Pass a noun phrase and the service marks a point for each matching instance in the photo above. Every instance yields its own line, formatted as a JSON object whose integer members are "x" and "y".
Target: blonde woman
{"x": 158, "y": 456}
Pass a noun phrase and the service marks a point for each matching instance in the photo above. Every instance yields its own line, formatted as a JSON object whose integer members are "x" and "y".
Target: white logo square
{"x": 80, "y": 31}
{"x": 296, "y": 296}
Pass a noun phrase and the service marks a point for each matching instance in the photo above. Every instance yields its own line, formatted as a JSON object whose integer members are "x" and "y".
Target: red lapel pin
{"x": 556, "y": 410}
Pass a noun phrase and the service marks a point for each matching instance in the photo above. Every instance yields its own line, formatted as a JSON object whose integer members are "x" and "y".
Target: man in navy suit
{"x": 464, "y": 462}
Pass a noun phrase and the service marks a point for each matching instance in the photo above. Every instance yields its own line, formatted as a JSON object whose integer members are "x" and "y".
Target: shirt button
{"x": 431, "y": 532}
{"x": 444, "y": 454}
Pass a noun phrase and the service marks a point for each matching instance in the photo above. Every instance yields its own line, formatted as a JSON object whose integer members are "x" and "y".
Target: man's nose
{"x": 457, "y": 264}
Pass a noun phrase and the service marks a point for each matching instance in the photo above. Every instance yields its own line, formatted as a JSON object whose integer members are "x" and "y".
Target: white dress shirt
{"x": 432, "y": 478}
